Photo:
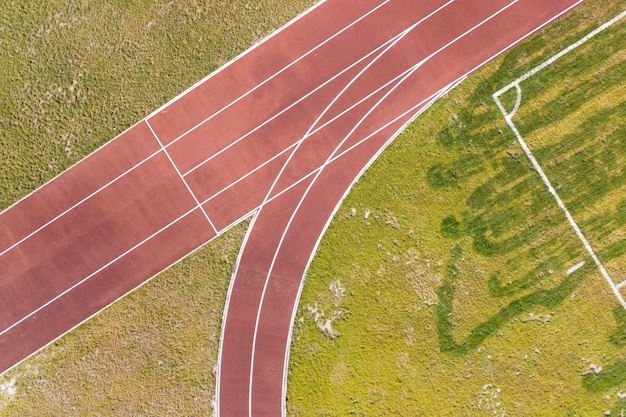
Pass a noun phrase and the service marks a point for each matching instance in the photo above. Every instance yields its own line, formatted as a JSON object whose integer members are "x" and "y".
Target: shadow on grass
{"x": 545, "y": 298}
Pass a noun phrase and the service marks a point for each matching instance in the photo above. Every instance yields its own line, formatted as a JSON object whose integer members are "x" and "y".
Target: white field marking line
{"x": 111, "y": 262}
{"x": 181, "y": 177}
{"x": 327, "y": 224}
{"x": 255, "y": 211}
{"x": 139, "y": 164}
{"x": 179, "y": 96}
{"x": 271, "y": 77}
{"x": 559, "y": 55}
{"x": 508, "y": 117}
{"x": 621, "y": 284}
{"x": 575, "y": 268}
{"x": 562, "y": 205}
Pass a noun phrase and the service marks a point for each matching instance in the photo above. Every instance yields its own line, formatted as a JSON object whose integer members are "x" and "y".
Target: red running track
{"x": 282, "y": 133}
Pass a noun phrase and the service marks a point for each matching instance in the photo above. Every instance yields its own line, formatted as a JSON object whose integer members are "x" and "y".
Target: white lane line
{"x": 184, "y": 93}
{"x": 111, "y": 262}
{"x": 570, "y": 219}
{"x": 206, "y": 216}
{"x": 105, "y": 185}
{"x": 290, "y": 106}
{"x": 292, "y": 63}
{"x": 508, "y": 117}
{"x": 515, "y": 83}
{"x": 54, "y": 219}
{"x": 240, "y": 56}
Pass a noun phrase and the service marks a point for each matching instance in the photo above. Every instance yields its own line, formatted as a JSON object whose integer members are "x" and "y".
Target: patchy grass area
{"x": 74, "y": 74}
{"x": 441, "y": 287}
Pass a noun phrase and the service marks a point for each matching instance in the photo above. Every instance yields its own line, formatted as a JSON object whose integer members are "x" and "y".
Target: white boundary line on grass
{"x": 508, "y": 117}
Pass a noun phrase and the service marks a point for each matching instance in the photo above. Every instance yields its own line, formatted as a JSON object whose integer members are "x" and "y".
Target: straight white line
{"x": 77, "y": 204}
{"x": 290, "y": 106}
{"x": 292, "y": 63}
{"x": 562, "y": 205}
{"x": 47, "y": 303}
{"x": 181, "y": 177}
{"x": 117, "y": 177}
{"x": 560, "y": 54}
{"x": 575, "y": 268}
{"x": 621, "y": 284}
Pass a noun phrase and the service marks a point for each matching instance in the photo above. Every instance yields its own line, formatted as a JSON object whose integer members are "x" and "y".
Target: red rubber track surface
{"x": 282, "y": 132}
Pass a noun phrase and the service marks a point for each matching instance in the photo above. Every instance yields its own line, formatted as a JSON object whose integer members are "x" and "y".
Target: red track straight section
{"x": 282, "y": 132}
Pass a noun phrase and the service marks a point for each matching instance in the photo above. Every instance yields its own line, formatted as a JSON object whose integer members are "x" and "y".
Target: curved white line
{"x": 296, "y": 210}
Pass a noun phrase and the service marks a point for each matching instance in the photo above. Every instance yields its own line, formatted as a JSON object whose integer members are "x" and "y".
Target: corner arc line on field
{"x": 508, "y": 117}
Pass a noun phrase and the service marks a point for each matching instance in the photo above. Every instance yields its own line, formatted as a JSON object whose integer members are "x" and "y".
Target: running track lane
{"x": 282, "y": 132}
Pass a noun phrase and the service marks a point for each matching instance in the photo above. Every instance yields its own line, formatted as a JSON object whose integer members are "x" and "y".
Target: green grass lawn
{"x": 74, "y": 74}
{"x": 444, "y": 274}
